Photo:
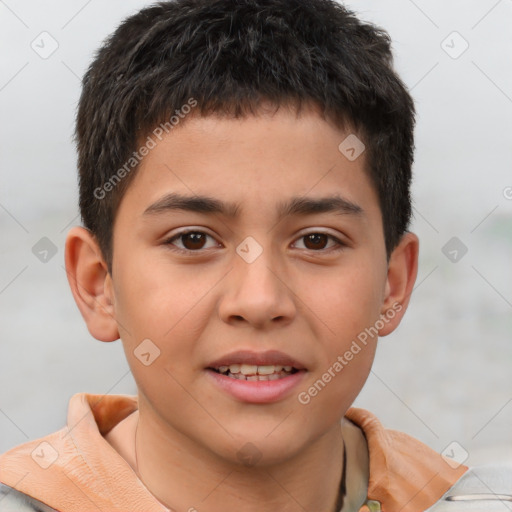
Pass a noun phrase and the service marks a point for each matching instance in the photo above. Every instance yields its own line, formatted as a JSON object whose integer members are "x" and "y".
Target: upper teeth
{"x": 252, "y": 369}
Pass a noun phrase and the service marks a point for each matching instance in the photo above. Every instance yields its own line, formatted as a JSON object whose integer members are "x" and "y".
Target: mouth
{"x": 257, "y": 377}
{"x": 252, "y": 372}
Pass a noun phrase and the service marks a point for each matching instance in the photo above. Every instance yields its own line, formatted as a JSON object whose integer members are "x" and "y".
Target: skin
{"x": 301, "y": 297}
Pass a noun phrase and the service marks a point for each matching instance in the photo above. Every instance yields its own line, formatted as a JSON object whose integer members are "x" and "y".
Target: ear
{"x": 91, "y": 284}
{"x": 402, "y": 271}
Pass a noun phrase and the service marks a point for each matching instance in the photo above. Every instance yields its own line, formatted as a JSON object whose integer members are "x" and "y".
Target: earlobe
{"x": 91, "y": 284}
{"x": 402, "y": 272}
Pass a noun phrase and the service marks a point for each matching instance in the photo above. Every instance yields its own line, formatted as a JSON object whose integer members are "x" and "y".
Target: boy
{"x": 244, "y": 186}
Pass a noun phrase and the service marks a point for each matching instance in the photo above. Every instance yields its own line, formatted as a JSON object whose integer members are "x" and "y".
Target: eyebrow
{"x": 299, "y": 206}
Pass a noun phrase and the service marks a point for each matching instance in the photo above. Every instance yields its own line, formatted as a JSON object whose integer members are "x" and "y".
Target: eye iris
{"x": 195, "y": 238}
{"x": 317, "y": 238}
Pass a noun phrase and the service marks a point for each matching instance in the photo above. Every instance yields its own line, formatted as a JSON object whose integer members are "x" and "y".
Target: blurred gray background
{"x": 444, "y": 376}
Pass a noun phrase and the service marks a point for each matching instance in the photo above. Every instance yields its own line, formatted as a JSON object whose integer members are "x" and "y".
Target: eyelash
{"x": 172, "y": 247}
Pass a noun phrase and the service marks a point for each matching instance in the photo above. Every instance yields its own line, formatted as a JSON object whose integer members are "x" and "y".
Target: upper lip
{"x": 268, "y": 358}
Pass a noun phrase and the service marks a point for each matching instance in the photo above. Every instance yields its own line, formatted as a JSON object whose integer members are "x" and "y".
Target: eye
{"x": 192, "y": 241}
{"x": 195, "y": 240}
{"x": 317, "y": 241}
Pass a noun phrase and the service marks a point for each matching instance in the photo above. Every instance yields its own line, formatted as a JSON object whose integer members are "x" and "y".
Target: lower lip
{"x": 257, "y": 391}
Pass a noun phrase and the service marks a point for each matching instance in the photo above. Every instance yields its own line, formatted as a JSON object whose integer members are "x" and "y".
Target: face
{"x": 283, "y": 259}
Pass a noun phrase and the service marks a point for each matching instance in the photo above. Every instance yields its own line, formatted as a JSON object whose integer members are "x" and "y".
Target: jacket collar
{"x": 404, "y": 474}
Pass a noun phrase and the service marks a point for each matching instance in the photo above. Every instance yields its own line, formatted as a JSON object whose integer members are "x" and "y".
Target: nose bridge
{"x": 255, "y": 291}
{"x": 260, "y": 276}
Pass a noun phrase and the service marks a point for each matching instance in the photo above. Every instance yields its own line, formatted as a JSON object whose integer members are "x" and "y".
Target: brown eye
{"x": 191, "y": 241}
{"x": 318, "y": 242}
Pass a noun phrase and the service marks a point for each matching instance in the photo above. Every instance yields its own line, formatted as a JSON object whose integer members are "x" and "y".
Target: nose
{"x": 257, "y": 294}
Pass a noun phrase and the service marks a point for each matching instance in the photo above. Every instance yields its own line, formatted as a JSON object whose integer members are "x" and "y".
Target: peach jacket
{"x": 76, "y": 470}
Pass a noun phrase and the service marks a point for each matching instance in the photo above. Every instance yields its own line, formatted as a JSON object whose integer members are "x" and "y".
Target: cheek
{"x": 159, "y": 324}
{"x": 159, "y": 302}
{"x": 345, "y": 303}
{"x": 334, "y": 386}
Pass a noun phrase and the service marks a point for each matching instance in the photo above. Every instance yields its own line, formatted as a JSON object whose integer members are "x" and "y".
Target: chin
{"x": 255, "y": 448}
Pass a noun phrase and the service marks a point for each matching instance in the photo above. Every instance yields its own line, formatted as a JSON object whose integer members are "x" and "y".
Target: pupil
{"x": 195, "y": 238}
{"x": 314, "y": 237}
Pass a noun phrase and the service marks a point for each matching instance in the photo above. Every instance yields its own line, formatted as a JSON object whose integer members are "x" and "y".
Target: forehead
{"x": 280, "y": 160}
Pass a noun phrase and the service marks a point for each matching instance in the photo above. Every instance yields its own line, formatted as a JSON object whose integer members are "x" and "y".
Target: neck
{"x": 183, "y": 475}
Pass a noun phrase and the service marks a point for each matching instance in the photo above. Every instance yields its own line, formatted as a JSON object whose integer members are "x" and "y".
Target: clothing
{"x": 481, "y": 489}
{"x": 76, "y": 470}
